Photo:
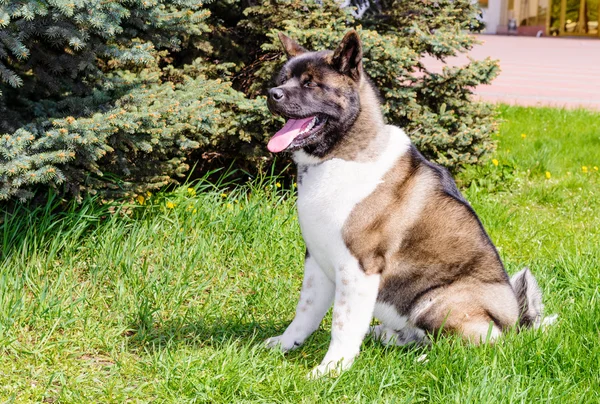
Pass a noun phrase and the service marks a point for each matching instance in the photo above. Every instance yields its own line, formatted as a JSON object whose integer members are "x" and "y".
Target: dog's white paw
{"x": 323, "y": 370}
{"x": 282, "y": 343}
{"x": 330, "y": 369}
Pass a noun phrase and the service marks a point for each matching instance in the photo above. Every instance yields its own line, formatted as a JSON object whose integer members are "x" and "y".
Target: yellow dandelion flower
{"x": 595, "y": 168}
{"x": 170, "y": 205}
{"x": 195, "y": 210}
{"x": 148, "y": 194}
{"x": 295, "y": 185}
{"x": 548, "y": 175}
{"x": 192, "y": 191}
{"x": 229, "y": 206}
{"x": 495, "y": 162}
{"x": 278, "y": 185}
{"x": 224, "y": 195}
{"x": 141, "y": 199}
{"x": 584, "y": 169}
{"x": 523, "y": 136}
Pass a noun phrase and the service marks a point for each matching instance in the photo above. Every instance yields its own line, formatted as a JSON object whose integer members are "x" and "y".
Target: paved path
{"x": 560, "y": 72}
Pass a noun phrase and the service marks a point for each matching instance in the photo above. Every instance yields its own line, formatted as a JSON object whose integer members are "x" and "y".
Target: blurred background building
{"x": 542, "y": 17}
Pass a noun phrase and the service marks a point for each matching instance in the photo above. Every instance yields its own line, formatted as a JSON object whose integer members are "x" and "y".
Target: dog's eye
{"x": 310, "y": 84}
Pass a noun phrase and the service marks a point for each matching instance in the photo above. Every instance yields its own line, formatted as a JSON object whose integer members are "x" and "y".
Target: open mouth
{"x": 294, "y": 131}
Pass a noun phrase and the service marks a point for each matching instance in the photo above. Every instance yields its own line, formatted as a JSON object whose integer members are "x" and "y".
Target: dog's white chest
{"x": 330, "y": 190}
{"x": 326, "y": 196}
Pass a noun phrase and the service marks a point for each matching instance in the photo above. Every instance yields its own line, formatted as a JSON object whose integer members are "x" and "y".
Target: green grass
{"x": 170, "y": 301}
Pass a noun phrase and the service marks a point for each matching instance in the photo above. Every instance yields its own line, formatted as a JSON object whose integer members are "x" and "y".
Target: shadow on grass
{"x": 223, "y": 333}
{"x": 215, "y": 332}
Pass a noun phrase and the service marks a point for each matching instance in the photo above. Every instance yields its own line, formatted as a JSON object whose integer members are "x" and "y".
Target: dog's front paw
{"x": 323, "y": 370}
{"x": 331, "y": 369}
{"x": 282, "y": 343}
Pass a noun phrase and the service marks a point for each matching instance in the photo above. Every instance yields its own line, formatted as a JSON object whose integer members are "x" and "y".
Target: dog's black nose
{"x": 276, "y": 94}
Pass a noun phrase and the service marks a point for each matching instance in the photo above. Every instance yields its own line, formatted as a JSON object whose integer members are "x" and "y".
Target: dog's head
{"x": 318, "y": 94}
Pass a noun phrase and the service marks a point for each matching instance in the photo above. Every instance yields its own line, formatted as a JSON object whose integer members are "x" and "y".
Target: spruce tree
{"x": 121, "y": 96}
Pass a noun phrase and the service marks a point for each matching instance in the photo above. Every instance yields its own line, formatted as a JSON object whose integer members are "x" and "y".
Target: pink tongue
{"x": 292, "y": 128}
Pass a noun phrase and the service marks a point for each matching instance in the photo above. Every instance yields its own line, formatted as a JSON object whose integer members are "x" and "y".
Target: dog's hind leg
{"x": 480, "y": 331}
{"x": 405, "y": 336}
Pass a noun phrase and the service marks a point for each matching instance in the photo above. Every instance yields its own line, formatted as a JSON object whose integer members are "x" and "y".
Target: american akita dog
{"x": 387, "y": 233}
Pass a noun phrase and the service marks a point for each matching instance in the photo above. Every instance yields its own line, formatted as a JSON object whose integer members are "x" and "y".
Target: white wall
{"x": 491, "y": 16}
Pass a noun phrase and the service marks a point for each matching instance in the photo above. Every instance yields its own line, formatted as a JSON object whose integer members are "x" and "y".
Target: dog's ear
{"x": 347, "y": 58}
{"x": 290, "y": 46}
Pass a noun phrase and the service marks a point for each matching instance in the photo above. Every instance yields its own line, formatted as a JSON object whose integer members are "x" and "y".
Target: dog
{"x": 388, "y": 234}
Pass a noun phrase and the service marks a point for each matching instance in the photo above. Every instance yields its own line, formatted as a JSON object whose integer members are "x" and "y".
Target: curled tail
{"x": 529, "y": 297}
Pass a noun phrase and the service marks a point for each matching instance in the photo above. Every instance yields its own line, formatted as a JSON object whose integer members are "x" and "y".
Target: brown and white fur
{"x": 388, "y": 234}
